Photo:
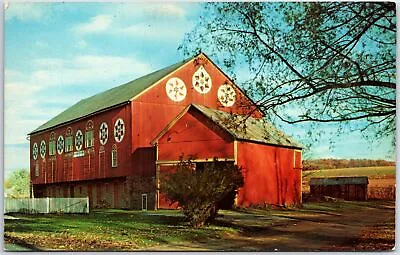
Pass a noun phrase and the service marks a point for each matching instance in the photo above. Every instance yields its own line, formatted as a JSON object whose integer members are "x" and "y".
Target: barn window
{"x": 89, "y": 137}
{"x": 36, "y": 168}
{"x": 69, "y": 141}
{"x": 52, "y": 148}
{"x": 52, "y": 144}
{"x": 114, "y": 156}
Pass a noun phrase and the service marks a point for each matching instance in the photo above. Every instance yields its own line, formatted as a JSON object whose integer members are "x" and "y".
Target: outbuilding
{"x": 347, "y": 188}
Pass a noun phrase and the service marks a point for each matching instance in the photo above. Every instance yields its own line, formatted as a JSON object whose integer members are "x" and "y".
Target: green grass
{"x": 123, "y": 230}
{"x": 358, "y": 171}
{"x": 103, "y": 229}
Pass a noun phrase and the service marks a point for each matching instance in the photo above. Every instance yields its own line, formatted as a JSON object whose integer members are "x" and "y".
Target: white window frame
{"x": 89, "y": 139}
{"x": 52, "y": 148}
{"x": 114, "y": 157}
{"x": 67, "y": 148}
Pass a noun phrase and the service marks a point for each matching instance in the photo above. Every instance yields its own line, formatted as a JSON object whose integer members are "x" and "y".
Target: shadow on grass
{"x": 12, "y": 240}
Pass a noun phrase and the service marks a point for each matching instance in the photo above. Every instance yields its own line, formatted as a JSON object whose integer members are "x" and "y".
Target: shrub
{"x": 198, "y": 188}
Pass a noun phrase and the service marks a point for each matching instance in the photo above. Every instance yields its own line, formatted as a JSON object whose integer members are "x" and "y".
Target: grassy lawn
{"x": 374, "y": 172}
{"x": 242, "y": 229}
{"x": 106, "y": 229}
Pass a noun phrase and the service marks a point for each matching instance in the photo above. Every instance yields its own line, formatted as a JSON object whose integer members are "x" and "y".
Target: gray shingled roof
{"x": 257, "y": 130}
{"x": 109, "y": 98}
{"x": 327, "y": 181}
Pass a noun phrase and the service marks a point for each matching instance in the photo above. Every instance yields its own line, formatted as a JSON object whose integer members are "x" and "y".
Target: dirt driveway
{"x": 336, "y": 226}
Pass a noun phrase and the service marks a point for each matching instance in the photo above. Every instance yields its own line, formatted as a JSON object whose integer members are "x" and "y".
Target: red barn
{"x": 111, "y": 146}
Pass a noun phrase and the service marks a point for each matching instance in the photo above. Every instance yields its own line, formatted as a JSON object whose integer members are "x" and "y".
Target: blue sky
{"x": 59, "y": 53}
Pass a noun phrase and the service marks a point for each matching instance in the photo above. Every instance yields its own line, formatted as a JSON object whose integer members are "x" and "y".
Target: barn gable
{"x": 110, "y": 98}
{"x": 135, "y": 89}
{"x": 200, "y": 81}
{"x": 249, "y": 129}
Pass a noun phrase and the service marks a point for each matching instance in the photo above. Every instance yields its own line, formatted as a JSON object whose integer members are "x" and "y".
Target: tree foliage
{"x": 18, "y": 183}
{"x": 309, "y": 62}
{"x": 198, "y": 192}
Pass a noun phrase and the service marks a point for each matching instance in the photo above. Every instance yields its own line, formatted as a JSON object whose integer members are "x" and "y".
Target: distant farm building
{"x": 347, "y": 188}
{"x": 112, "y": 146}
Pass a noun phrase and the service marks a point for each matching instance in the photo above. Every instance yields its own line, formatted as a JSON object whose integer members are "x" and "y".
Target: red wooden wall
{"x": 195, "y": 136}
{"x": 92, "y": 165}
{"x": 153, "y": 110}
{"x": 270, "y": 175}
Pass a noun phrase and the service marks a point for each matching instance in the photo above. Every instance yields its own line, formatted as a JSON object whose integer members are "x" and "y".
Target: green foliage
{"x": 198, "y": 192}
{"x": 18, "y": 183}
{"x": 315, "y": 62}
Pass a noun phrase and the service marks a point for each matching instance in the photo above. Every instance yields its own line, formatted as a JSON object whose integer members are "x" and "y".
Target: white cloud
{"x": 153, "y": 30}
{"x": 81, "y": 44}
{"x": 166, "y": 10}
{"x": 27, "y": 96}
{"x": 154, "y": 21}
{"x": 41, "y": 44}
{"x": 86, "y": 69}
{"x": 96, "y": 24}
{"x": 26, "y": 11}
{"x": 142, "y": 11}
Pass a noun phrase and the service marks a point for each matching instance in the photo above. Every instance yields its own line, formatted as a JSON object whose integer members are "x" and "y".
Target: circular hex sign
{"x": 119, "y": 130}
{"x": 35, "y": 151}
{"x": 226, "y": 95}
{"x": 103, "y": 133}
{"x": 78, "y": 140}
{"x": 201, "y": 81}
{"x": 176, "y": 89}
{"x": 42, "y": 149}
{"x": 60, "y": 145}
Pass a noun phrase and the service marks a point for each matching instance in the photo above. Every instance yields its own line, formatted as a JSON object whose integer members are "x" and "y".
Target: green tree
{"x": 199, "y": 191}
{"x": 309, "y": 62}
{"x": 17, "y": 184}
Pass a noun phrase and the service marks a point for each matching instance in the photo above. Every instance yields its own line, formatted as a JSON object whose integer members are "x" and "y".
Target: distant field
{"x": 373, "y": 172}
{"x": 382, "y": 176}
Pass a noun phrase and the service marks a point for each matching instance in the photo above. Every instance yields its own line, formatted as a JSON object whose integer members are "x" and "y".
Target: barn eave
{"x": 255, "y": 132}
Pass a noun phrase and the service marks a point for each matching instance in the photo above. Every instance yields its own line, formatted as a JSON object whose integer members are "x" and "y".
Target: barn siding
{"x": 107, "y": 193}
{"x": 153, "y": 110}
{"x": 269, "y": 174}
{"x": 194, "y": 136}
{"x": 156, "y": 95}
{"x": 68, "y": 168}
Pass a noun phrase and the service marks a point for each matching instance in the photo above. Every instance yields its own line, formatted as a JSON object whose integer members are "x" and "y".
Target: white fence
{"x": 46, "y": 205}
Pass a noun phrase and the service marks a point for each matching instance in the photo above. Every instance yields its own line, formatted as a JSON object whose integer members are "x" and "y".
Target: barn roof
{"x": 328, "y": 181}
{"x": 109, "y": 98}
{"x": 249, "y": 129}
